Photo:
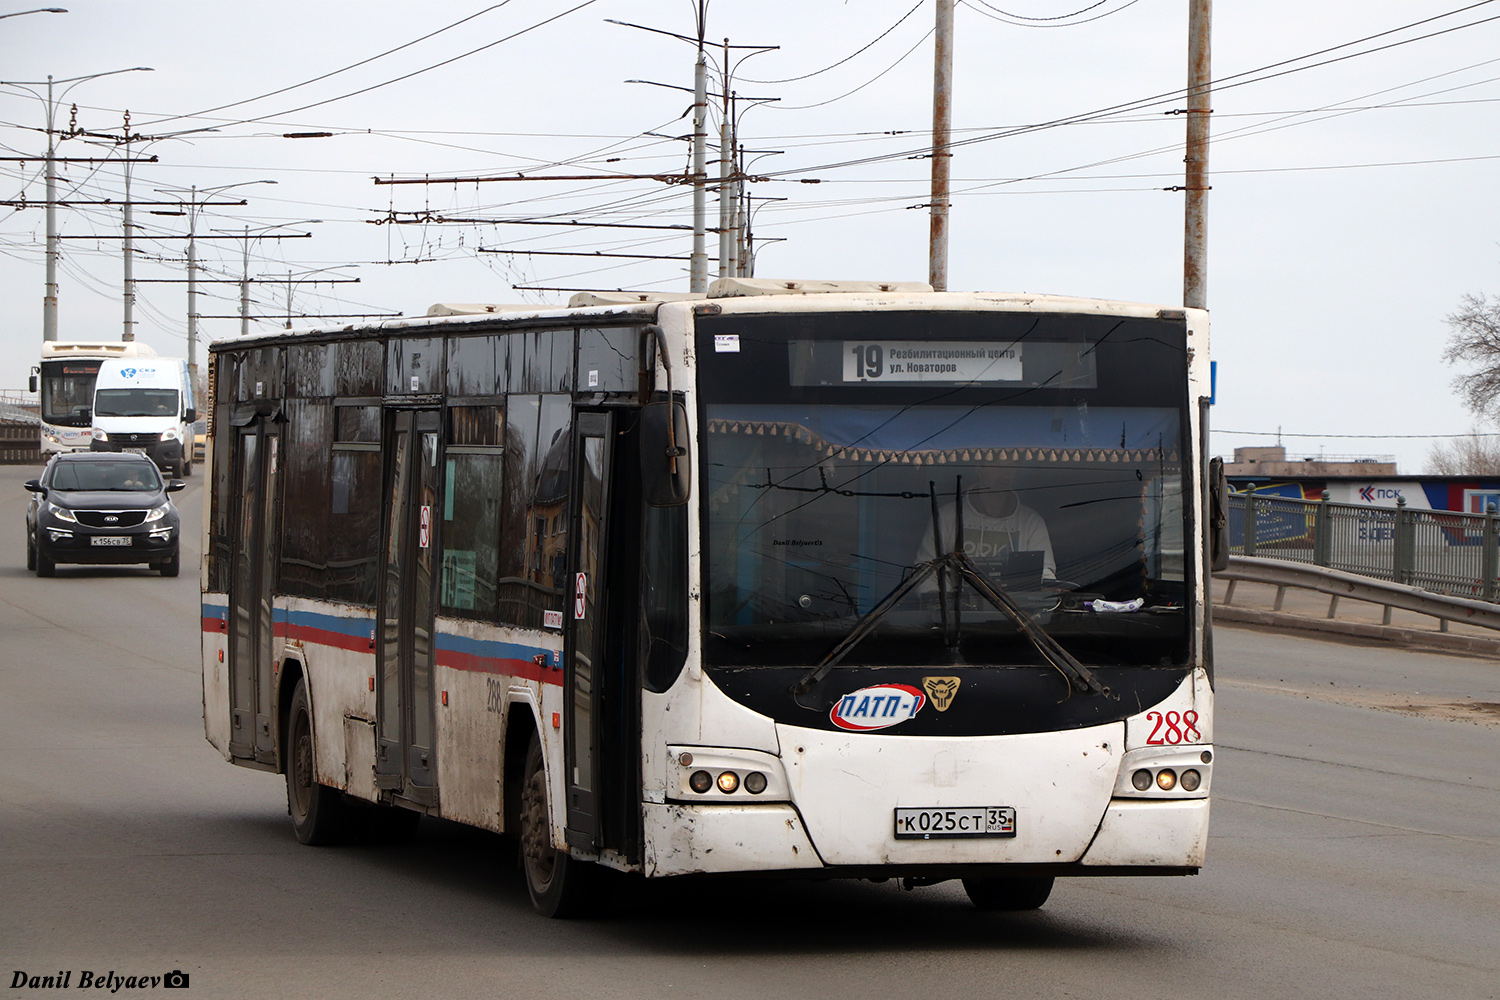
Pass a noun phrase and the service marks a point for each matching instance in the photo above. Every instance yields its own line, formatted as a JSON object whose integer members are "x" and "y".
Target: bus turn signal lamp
{"x": 729, "y": 782}
{"x": 755, "y": 782}
{"x": 1191, "y": 780}
{"x": 1141, "y": 780}
{"x": 1166, "y": 779}
{"x": 701, "y": 781}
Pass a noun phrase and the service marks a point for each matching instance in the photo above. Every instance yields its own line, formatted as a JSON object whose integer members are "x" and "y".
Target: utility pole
{"x": 49, "y": 295}
{"x": 129, "y": 333}
{"x": 942, "y": 118}
{"x": 1195, "y": 223}
{"x": 245, "y": 289}
{"x": 698, "y": 267}
{"x": 726, "y": 172}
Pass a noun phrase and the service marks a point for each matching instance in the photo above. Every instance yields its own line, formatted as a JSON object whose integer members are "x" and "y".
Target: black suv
{"x": 100, "y": 507}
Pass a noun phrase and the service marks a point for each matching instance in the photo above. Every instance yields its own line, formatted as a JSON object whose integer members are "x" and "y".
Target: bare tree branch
{"x": 1477, "y": 455}
{"x": 1476, "y": 341}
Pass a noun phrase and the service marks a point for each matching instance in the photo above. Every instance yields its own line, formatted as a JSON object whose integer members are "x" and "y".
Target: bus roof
{"x": 53, "y": 349}
{"x": 727, "y": 295}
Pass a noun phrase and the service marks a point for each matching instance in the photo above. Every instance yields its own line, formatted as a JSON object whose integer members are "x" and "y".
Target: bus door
{"x": 255, "y": 532}
{"x": 585, "y": 642}
{"x": 406, "y": 761}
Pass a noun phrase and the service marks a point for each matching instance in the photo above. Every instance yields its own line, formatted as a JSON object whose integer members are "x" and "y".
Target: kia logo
{"x": 110, "y": 519}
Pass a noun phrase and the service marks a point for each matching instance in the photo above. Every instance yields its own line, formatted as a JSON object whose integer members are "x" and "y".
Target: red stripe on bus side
{"x": 520, "y": 669}
{"x": 323, "y": 636}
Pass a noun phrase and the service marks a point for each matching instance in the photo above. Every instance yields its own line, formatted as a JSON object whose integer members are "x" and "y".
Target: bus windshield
{"x": 1062, "y": 483}
{"x": 135, "y": 403}
{"x": 68, "y": 392}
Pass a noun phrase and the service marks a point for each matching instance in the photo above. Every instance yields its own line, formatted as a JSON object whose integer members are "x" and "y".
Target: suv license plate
{"x": 961, "y": 821}
{"x": 110, "y": 540}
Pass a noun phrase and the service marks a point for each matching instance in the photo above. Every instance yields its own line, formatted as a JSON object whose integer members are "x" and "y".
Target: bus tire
{"x": 1026, "y": 892}
{"x": 559, "y": 885}
{"x": 319, "y": 815}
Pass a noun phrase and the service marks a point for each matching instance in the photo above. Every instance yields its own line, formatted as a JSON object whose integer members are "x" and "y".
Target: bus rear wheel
{"x": 319, "y": 815}
{"x": 999, "y": 894}
{"x": 559, "y": 884}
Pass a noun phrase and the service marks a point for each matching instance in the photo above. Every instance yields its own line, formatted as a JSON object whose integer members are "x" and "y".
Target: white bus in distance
{"x": 862, "y": 581}
{"x": 65, "y": 378}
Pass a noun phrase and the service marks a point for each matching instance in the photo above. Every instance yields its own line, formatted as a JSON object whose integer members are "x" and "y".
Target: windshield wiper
{"x": 1079, "y": 677}
{"x": 1075, "y": 673}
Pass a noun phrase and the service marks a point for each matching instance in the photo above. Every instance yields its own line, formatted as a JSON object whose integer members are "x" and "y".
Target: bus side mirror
{"x": 31, "y": 384}
{"x": 1218, "y": 516}
{"x": 190, "y": 415}
{"x": 666, "y": 462}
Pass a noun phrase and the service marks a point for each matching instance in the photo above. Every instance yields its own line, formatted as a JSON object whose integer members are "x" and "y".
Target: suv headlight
{"x": 170, "y": 434}
{"x": 157, "y": 513}
{"x": 61, "y": 513}
{"x": 100, "y": 435}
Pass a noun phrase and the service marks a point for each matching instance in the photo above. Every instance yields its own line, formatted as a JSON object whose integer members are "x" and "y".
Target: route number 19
{"x": 869, "y": 360}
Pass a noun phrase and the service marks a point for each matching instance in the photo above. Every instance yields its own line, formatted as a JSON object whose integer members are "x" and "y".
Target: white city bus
{"x": 865, "y": 582}
{"x": 65, "y": 377}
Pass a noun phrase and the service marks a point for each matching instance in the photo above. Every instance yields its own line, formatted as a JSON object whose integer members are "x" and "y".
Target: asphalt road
{"x": 1353, "y": 850}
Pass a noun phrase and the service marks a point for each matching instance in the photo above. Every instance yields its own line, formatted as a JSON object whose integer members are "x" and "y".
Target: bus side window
{"x": 664, "y": 596}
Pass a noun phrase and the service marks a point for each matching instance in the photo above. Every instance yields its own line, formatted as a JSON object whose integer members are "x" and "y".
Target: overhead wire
{"x": 825, "y": 69}
{"x": 331, "y": 73}
{"x": 1025, "y": 22}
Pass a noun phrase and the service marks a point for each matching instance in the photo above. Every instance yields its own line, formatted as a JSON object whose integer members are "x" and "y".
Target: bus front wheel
{"x": 319, "y": 815}
{"x": 998, "y": 894}
{"x": 559, "y": 884}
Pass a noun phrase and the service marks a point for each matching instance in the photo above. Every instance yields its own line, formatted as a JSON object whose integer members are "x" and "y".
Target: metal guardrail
{"x": 1441, "y": 552}
{"x": 1283, "y": 575}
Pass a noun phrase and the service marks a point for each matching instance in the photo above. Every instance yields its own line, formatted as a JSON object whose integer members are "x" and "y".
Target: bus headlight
{"x": 170, "y": 434}
{"x": 738, "y": 775}
{"x": 1164, "y": 773}
{"x": 100, "y": 435}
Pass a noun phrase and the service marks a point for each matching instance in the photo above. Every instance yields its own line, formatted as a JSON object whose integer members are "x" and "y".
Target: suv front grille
{"x": 134, "y": 440}
{"x": 110, "y": 518}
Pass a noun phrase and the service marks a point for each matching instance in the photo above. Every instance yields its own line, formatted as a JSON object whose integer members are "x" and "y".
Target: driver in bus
{"x": 996, "y": 525}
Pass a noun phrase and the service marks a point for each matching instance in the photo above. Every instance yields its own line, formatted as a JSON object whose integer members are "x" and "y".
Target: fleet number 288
{"x": 1173, "y": 728}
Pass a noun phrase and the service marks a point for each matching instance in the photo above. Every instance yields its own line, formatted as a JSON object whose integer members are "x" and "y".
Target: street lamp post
{"x": 245, "y": 274}
{"x": 192, "y": 259}
{"x": 49, "y": 297}
{"x": 301, "y": 276}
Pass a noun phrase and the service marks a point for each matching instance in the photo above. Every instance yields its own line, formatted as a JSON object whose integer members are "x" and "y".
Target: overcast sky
{"x": 1353, "y": 204}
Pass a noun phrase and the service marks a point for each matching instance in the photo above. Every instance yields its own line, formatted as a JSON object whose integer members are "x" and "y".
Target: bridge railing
{"x": 1441, "y": 552}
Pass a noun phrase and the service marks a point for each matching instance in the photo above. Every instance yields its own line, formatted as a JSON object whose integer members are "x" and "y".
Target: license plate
{"x": 110, "y": 540}
{"x": 134, "y": 451}
{"x": 961, "y": 821}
